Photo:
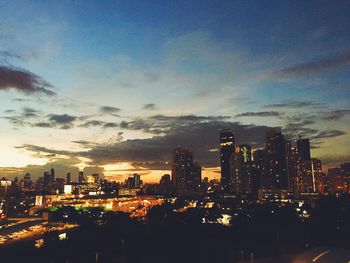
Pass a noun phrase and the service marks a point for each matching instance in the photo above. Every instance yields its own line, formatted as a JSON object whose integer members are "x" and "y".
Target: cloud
{"x": 158, "y": 124}
{"x": 91, "y": 123}
{"x": 110, "y": 125}
{"x": 156, "y": 152}
{"x": 150, "y": 106}
{"x": 328, "y": 134}
{"x": 43, "y": 125}
{"x": 23, "y": 81}
{"x": 259, "y": 114}
{"x": 293, "y": 104}
{"x": 62, "y": 121}
{"x": 317, "y": 66}
{"x": 23, "y": 118}
{"x": 109, "y": 109}
{"x": 62, "y": 118}
{"x": 335, "y": 115}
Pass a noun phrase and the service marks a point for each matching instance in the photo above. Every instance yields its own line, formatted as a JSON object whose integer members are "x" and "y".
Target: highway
{"x": 16, "y": 229}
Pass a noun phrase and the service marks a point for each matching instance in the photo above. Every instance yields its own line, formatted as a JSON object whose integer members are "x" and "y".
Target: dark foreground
{"x": 266, "y": 233}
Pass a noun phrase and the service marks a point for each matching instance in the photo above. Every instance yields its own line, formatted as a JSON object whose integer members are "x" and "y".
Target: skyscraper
{"x": 68, "y": 178}
{"x": 240, "y": 169}
{"x": 81, "y": 178}
{"x": 317, "y": 175}
{"x": 227, "y": 149}
{"x": 165, "y": 185}
{"x": 303, "y": 146}
{"x": 275, "y": 176}
{"x": 185, "y": 174}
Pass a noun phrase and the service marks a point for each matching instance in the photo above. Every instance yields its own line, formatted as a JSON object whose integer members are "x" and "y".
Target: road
{"x": 27, "y": 228}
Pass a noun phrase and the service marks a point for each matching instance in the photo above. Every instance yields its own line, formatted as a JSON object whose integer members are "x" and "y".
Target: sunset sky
{"x": 115, "y": 86}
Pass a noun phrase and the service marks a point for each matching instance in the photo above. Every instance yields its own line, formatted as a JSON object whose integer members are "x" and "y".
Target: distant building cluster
{"x": 281, "y": 167}
{"x": 281, "y": 170}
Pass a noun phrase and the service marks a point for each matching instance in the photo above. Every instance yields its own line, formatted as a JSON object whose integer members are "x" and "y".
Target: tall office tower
{"x": 137, "y": 180}
{"x": 227, "y": 149}
{"x": 196, "y": 178}
{"x": 81, "y": 178}
{"x": 52, "y": 175}
{"x": 275, "y": 175}
{"x": 68, "y": 178}
{"x": 165, "y": 185}
{"x": 47, "y": 181}
{"x": 317, "y": 175}
{"x": 294, "y": 169}
{"x": 185, "y": 174}
{"x": 257, "y": 171}
{"x": 337, "y": 180}
{"x": 303, "y": 146}
{"x": 345, "y": 170}
{"x": 241, "y": 177}
{"x": 27, "y": 182}
{"x": 245, "y": 152}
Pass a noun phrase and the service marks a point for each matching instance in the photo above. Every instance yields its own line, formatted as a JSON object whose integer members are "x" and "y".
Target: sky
{"x": 114, "y": 86}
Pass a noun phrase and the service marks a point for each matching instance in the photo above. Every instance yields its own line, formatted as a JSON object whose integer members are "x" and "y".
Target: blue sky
{"x": 228, "y": 62}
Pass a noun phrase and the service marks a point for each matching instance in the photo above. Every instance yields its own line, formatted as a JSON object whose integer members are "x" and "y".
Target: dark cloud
{"x": 150, "y": 106}
{"x": 42, "y": 125}
{"x": 158, "y": 124}
{"x": 85, "y": 144}
{"x": 110, "y": 125}
{"x": 155, "y": 152}
{"x": 328, "y": 134}
{"x": 293, "y": 104}
{"x": 40, "y": 150}
{"x": 316, "y": 66}
{"x": 23, "y": 81}
{"x": 21, "y": 100}
{"x": 23, "y": 118}
{"x": 109, "y": 109}
{"x": 200, "y": 134}
{"x": 30, "y": 113}
{"x": 91, "y": 123}
{"x": 62, "y": 118}
{"x": 259, "y": 114}
{"x": 335, "y": 115}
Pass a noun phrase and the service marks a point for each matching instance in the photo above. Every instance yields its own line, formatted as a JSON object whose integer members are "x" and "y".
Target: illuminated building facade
{"x": 227, "y": 150}
{"x": 186, "y": 175}
{"x": 165, "y": 185}
{"x": 275, "y": 174}
{"x": 241, "y": 169}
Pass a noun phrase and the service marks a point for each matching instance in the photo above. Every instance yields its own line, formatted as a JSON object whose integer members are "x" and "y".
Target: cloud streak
{"x": 316, "y": 66}
{"x": 259, "y": 114}
{"x": 23, "y": 81}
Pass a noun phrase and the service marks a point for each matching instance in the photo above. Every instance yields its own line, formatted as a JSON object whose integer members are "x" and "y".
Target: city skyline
{"x": 116, "y": 87}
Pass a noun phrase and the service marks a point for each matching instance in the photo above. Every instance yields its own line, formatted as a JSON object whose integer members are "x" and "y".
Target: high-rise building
{"x": 137, "y": 180}
{"x": 47, "y": 182}
{"x": 185, "y": 174}
{"x": 294, "y": 169}
{"x": 275, "y": 174}
{"x": 345, "y": 170}
{"x": 337, "y": 180}
{"x": 94, "y": 178}
{"x": 227, "y": 150}
{"x": 81, "y": 178}
{"x": 303, "y": 146}
{"x": 68, "y": 178}
{"x": 317, "y": 175}
{"x": 165, "y": 185}
{"x": 52, "y": 175}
